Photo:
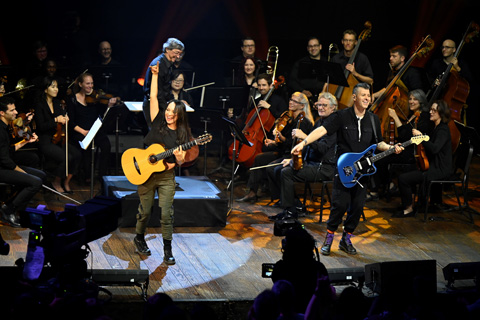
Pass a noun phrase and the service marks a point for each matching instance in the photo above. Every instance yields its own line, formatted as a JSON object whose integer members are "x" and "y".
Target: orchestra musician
{"x": 83, "y": 110}
{"x": 308, "y": 86}
{"x": 177, "y": 91}
{"x": 277, "y": 146}
{"x": 355, "y": 133}
{"x": 439, "y": 153}
{"x": 51, "y": 121}
{"x": 411, "y": 79}
{"x": 169, "y": 128}
{"x": 361, "y": 68}
{"x": 439, "y": 65}
{"x": 417, "y": 118}
{"x": 27, "y": 180}
{"x": 319, "y": 164}
{"x": 172, "y": 51}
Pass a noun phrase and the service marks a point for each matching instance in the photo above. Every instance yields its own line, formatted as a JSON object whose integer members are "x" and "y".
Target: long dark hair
{"x": 184, "y": 133}
{"x": 443, "y": 110}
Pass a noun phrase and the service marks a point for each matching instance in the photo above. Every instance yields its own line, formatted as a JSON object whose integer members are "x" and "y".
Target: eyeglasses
{"x": 318, "y": 105}
{"x": 248, "y": 45}
{"x": 447, "y": 47}
{"x": 178, "y": 81}
{"x": 297, "y": 102}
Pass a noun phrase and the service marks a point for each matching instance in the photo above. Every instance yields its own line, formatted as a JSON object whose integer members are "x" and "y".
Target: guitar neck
{"x": 169, "y": 152}
{"x": 388, "y": 152}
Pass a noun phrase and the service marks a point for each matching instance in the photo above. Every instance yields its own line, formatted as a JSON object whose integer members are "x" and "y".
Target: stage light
{"x": 141, "y": 81}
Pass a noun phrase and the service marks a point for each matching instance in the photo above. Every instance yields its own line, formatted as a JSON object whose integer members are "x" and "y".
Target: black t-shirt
{"x": 167, "y": 137}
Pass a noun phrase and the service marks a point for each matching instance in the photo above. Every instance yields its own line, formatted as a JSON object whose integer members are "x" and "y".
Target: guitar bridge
{"x": 348, "y": 171}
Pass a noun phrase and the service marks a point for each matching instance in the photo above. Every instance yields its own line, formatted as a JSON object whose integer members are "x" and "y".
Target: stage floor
{"x": 224, "y": 263}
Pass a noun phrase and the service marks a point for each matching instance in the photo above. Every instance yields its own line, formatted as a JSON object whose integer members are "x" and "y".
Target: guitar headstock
{"x": 203, "y": 139}
{"x": 366, "y": 33}
{"x": 419, "y": 139}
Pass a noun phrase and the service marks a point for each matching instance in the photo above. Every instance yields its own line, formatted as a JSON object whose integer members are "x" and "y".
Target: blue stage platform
{"x": 197, "y": 203}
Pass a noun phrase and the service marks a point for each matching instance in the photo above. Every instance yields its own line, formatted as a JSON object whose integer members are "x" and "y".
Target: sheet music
{"x": 91, "y": 134}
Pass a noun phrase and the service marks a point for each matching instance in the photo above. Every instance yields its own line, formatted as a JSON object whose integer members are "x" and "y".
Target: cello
{"x": 259, "y": 122}
{"x": 344, "y": 94}
{"x": 453, "y": 88}
{"x": 397, "y": 90}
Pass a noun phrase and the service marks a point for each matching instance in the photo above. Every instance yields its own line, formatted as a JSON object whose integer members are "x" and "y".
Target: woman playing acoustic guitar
{"x": 169, "y": 129}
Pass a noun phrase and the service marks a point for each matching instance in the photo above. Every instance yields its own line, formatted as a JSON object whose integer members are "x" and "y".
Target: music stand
{"x": 324, "y": 71}
{"x": 237, "y": 134}
{"x": 473, "y": 139}
{"x": 222, "y": 98}
{"x": 89, "y": 139}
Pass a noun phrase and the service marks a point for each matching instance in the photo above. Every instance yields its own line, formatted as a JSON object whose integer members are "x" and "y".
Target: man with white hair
{"x": 173, "y": 50}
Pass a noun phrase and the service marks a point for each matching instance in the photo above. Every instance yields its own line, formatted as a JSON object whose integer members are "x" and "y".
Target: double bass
{"x": 396, "y": 93}
{"x": 453, "y": 88}
{"x": 258, "y": 123}
{"x": 344, "y": 94}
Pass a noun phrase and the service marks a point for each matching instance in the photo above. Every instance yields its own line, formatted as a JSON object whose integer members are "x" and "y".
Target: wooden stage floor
{"x": 224, "y": 264}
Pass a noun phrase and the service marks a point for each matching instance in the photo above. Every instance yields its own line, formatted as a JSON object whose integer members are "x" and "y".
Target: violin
{"x": 59, "y": 135}
{"x": 282, "y": 121}
{"x": 298, "y": 158}
{"x": 100, "y": 97}
{"x": 21, "y": 126}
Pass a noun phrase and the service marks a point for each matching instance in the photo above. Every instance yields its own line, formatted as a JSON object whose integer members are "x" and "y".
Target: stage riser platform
{"x": 197, "y": 202}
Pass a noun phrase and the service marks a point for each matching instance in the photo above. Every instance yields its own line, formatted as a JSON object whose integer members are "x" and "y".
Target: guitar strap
{"x": 370, "y": 114}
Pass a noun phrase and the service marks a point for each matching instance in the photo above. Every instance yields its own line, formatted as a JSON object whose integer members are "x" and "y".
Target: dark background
{"x": 211, "y": 31}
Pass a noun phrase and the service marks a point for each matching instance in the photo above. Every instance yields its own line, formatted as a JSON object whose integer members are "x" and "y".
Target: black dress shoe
{"x": 248, "y": 198}
{"x": 9, "y": 217}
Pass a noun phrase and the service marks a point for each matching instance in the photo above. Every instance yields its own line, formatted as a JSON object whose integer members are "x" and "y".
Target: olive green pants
{"x": 164, "y": 184}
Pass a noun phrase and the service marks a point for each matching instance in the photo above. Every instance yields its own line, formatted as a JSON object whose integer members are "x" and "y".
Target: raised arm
{"x": 154, "y": 108}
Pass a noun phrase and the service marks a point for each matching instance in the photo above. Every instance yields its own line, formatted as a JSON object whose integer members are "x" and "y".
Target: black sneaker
{"x": 141, "y": 246}
{"x": 168, "y": 257}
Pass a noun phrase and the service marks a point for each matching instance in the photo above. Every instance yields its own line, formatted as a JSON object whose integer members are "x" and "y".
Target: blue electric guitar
{"x": 352, "y": 166}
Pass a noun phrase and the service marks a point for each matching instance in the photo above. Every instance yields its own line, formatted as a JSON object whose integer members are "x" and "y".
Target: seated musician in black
{"x": 26, "y": 180}
{"x": 356, "y": 130}
{"x": 319, "y": 163}
{"x": 418, "y": 117}
{"x": 439, "y": 154}
{"x": 277, "y": 147}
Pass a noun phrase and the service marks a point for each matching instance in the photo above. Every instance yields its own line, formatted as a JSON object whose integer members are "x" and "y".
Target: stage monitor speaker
{"x": 130, "y": 277}
{"x": 399, "y": 276}
{"x": 342, "y": 276}
{"x": 462, "y": 271}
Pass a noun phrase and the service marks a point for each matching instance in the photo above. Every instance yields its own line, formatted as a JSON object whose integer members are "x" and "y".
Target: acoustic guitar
{"x": 139, "y": 164}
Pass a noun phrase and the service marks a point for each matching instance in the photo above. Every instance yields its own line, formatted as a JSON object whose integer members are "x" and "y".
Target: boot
{"x": 327, "y": 244}
{"x": 346, "y": 244}
{"x": 167, "y": 252}
{"x": 141, "y": 245}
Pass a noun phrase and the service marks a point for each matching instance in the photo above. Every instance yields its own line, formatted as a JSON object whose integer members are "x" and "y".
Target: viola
{"x": 59, "y": 136}
{"x": 282, "y": 121}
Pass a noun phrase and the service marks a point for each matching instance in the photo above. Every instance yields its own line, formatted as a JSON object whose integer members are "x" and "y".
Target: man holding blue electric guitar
{"x": 358, "y": 135}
